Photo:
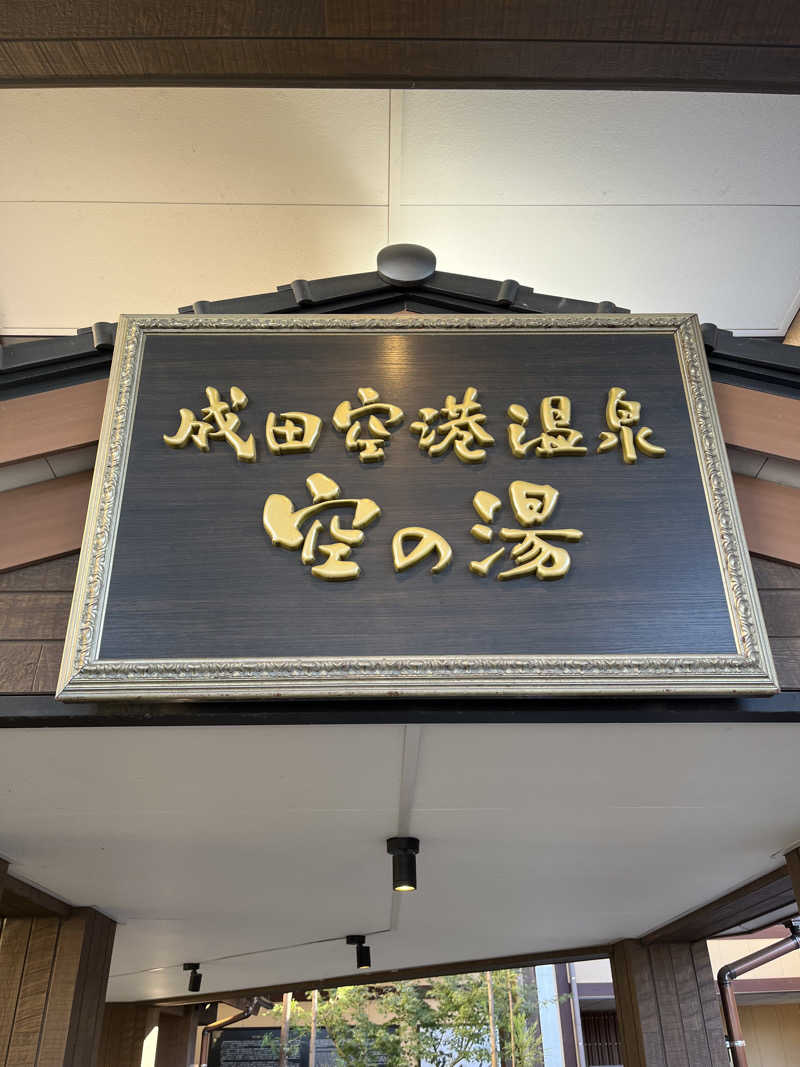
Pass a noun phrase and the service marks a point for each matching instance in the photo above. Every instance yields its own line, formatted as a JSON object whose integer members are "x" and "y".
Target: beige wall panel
{"x": 184, "y": 145}
{"x": 594, "y": 147}
{"x": 78, "y": 263}
{"x": 772, "y": 1033}
{"x": 648, "y": 259}
{"x": 726, "y": 950}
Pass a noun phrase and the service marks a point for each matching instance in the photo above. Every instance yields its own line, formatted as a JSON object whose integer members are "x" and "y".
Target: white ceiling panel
{"x": 736, "y": 266}
{"x": 194, "y": 145}
{"x": 237, "y": 846}
{"x": 594, "y": 147}
{"x": 75, "y": 264}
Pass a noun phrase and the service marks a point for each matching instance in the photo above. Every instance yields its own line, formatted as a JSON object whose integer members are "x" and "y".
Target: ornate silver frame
{"x": 85, "y": 677}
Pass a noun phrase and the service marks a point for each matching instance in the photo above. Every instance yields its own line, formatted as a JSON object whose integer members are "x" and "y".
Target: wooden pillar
{"x": 667, "y": 1006}
{"x": 3, "y": 870}
{"x": 53, "y": 977}
{"x": 793, "y": 863}
{"x": 130, "y": 1036}
{"x": 177, "y": 1037}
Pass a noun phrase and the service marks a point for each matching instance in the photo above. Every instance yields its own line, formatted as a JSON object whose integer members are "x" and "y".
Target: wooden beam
{"x": 793, "y": 865}
{"x": 20, "y": 900}
{"x": 380, "y": 63}
{"x": 770, "y": 893}
{"x": 771, "y": 517}
{"x": 42, "y": 521}
{"x": 623, "y": 20}
{"x": 763, "y": 422}
{"x": 52, "y": 421}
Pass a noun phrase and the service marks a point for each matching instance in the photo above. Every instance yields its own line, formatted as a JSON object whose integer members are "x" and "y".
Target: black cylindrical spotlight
{"x": 363, "y": 954}
{"x": 195, "y": 978}
{"x": 403, "y": 851}
{"x": 363, "y": 957}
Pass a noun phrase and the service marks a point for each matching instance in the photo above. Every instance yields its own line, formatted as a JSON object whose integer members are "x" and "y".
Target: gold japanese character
{"x": 557, "y": 437}
{"x": 621, "y": 415}
{"x": 348, "y": 419}
{"x": 299, "y": 432}
{"x": 461, "y": 428}
{"x": 284, "y": 526}
{"x": 219, "y": 421}
{"x": 427, "y": 541}
{"x": 532, "y": 504}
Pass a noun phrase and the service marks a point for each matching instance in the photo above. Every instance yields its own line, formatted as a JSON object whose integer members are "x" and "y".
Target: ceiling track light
{"x": 195, "y": 978}
{"x": 363, "y": 954}
{"x": 403, "y": 851}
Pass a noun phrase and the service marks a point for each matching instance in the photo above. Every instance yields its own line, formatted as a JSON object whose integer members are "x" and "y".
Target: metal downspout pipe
{"x": 731, "y": 971}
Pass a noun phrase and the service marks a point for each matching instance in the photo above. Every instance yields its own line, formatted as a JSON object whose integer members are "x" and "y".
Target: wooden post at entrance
{"x": 53, "y": 977}
{"x": 130, "y": 1036}
{"x": 177, "y": 1036}
{"x": 667, "y": 1006}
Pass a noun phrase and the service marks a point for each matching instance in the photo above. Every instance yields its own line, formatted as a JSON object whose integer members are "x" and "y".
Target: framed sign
{"x": 412, "y": 506}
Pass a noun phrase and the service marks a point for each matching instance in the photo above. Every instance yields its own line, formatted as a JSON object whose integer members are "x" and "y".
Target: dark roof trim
{"x": 40, "y": 710}
{"x": 29, "y": 366}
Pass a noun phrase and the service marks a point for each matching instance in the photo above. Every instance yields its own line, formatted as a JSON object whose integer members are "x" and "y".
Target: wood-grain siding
{"x": 51, "y": 421}
{"x": 43, "y": 521}
{"x": 34, "y": 603}
{"x": 667, "y": 1006}
{"x": 770, "y": 516}
{"x": 53, "y": 976}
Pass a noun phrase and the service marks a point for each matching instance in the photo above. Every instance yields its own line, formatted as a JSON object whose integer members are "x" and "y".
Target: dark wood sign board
{"x": 259, "y": 1046}
{"x": 181, "y": 593}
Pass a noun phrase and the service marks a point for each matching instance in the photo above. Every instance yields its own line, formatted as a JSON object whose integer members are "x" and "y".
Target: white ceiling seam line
{"x": 412, "y": 740}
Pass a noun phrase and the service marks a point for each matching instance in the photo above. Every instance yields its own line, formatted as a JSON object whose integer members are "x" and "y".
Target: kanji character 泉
{"x": 621, "y": 415}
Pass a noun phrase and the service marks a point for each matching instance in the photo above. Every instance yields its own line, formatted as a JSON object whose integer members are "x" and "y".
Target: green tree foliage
{"x": 441, "y": 1021}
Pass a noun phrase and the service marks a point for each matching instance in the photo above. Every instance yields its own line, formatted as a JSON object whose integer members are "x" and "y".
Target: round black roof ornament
{"x": 406, "y": 265}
